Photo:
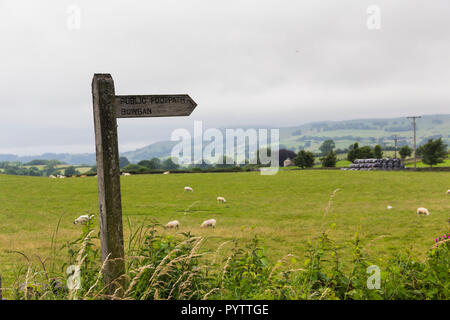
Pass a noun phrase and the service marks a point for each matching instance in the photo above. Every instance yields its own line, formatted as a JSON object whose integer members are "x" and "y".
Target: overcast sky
{"x": 276, "y": 63}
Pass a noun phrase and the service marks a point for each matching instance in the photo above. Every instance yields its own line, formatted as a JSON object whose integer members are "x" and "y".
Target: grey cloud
{"x": 259, "y": 62}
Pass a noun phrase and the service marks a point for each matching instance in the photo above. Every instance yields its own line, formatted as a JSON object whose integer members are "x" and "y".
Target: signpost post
{"x": 108, "y": 107}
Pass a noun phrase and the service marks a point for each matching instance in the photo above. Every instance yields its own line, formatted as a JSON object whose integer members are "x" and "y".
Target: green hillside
{"x": 367, "y": 131}
{"x": 310, "y": 136}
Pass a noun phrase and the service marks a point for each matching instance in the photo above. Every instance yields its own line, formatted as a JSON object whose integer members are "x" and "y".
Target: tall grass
{"x": 180, "y": 267}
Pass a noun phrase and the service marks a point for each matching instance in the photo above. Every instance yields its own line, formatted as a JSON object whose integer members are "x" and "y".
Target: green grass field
{"x": 420, "y": 164}
{"x": 285, "y": 210}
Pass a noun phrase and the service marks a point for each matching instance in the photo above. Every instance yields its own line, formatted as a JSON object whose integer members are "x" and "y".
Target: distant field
{"x": 285, "y": 210}
{"x": 420, "y": 164}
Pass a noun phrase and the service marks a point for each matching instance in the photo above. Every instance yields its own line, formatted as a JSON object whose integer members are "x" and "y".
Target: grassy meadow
{"x": 285, "y": 210}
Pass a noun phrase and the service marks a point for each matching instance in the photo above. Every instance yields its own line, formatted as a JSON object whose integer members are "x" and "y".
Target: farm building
{"x": 288, "y": 163}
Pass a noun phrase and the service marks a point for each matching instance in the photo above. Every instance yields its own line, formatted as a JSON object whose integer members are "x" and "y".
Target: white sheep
{"x": 188, "y": 189}
{"x": 166, "y": 172}
{"x": 208, "y": 223}
{"x": 221, "y": 199}
{"x": 126, "y": 174}
{"x": 172, "y": 224}
{"x": 83, "y": 219}
{"x": 423, "y": 211}
{"x": 61, "y": 177}
{"x": 52, "y": 176}
{"x": 389, "y": 207}
{"x": 448, "y": 191}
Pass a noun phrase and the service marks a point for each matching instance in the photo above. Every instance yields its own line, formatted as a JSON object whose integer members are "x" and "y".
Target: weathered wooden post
{"x": 107, "y": 108}
{"x": 108, "y": 176}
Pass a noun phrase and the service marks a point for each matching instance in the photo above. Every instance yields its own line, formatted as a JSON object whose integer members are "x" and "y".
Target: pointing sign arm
{"x": 154, "y": 106}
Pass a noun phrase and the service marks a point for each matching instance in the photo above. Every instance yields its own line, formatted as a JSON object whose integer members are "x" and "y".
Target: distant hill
{"x": 156, "y": 150}
{"x": 308, "y": 136}
{"x": 366, "y": 131}
{"x": 75, "y": 159}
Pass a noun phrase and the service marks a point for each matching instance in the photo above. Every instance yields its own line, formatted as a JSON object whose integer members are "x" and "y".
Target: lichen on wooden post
{"x": 108, "y": 175}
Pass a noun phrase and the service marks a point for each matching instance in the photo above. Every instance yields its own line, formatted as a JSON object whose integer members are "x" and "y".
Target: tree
{"x": 327, "y": 146}
{"x": 284, "y": 154}
{"x": 378, "y": 153}
{"x": 200, "y": 166}
{"x": 50, "y": 170}
{"x": 365, "y": 152}
{"x": 329, "y": 161}
{"x": 144, "y": 163}
{"x": 152, "y": 164}
{"x": 168, "y": 164}
{"x": 405, "y": 152}
{"x": 70, "y": 171}
{"x": 134, "y": 168}
{"x": 304, "y": 159}
{"x": 123, "y": 162}
{"x": 227, "y": 162}
{"x": 352, "y": 154}
{"x": 356, "y": 152}
{"x": 33, "y": 171}
{"x": 264, "y": 151}
{"x": 433, "y": 152}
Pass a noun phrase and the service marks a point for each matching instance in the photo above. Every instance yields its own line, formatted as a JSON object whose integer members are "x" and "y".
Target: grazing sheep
{"x": 208, "y": 223}
{"x": 61, "y": 177}
{"x": 221, "y": 199}
{"x": 172, "y": 224}
{"x": 423, "y": 211}
{"x": 83, "y": 176}
{"x": 166, "y": 172}
{"x": 188, "y": 189}
{"x": 52, "y": 176}
{"x": 83, "y": 219}
{"x": 126, "y": 174}
{"x": 389, "y": 207}
{"x": 448, "y": 191}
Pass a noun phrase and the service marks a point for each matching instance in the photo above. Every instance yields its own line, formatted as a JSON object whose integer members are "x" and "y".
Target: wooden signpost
{"x": 108, "y": 107}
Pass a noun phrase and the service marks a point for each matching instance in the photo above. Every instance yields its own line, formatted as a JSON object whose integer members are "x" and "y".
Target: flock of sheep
{"x": 207, "y": 223}
{"x": 57, "y": 176}
{"x": 421, "y": 210}
{"x": 175, "y": 224}
{"x": 62, "y": 177}
{"x": 84, "y": 176}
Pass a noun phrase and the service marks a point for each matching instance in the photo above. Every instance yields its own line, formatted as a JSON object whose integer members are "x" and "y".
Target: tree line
{"x": 431, "y": 153}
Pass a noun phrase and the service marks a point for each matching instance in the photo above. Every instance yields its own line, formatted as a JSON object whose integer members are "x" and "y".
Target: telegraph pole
{"x": 414, "y": 126}
{"x": 395, "y": 148}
